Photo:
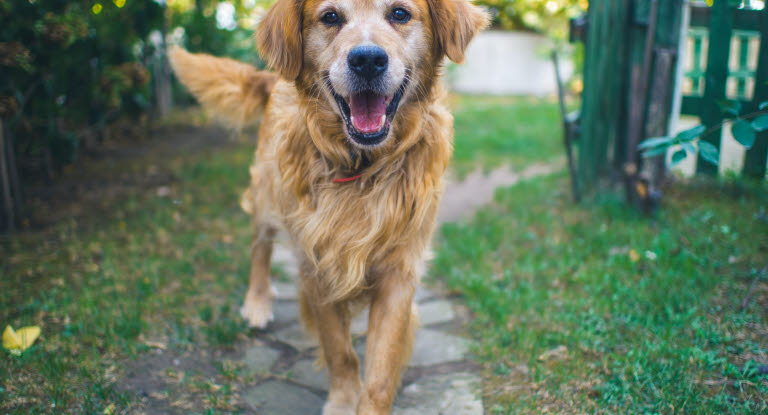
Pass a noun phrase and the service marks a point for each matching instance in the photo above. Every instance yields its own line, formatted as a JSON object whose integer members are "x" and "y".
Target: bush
{"x": 71, "y": 69}
{"x": 66, "y": 67}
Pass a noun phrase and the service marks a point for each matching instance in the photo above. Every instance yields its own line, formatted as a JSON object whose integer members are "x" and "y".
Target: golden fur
{"x": 361, "y": 242}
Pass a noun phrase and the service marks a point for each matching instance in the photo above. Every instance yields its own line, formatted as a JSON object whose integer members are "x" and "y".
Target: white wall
{"x": 507, "y": 63}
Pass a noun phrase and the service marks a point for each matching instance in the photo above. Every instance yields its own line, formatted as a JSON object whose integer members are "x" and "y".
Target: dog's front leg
{"x": 390, "y": 342}
{"x": 332, "y": 322}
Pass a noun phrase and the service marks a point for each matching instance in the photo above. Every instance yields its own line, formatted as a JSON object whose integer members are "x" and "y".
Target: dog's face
{"x": 366, "y": 57}
{"x": 366, "y": 53}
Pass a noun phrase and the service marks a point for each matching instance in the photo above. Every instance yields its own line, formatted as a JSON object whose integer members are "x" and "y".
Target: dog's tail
{"x": 232, "y": 91}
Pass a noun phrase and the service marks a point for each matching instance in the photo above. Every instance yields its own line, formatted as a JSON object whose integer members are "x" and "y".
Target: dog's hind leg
{"x": 331, "y": 323}
{"x": 257, "y": 308}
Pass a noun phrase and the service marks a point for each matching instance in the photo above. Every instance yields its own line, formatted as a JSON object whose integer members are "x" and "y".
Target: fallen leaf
{"x": 156, "y": 345}
{"x": 20, "y": 340}
{"x": 557, "y": 353}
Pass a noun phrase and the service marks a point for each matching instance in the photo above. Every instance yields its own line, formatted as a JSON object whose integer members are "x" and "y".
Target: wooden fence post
{"x": 660, "y": 107}
{"x": 605, "y": 80}
{"x": 662, "y": 103}
{"x": 163, "y": 72}
{"x": 720, "y": 28}
{"x": 643, "y": 41}
{"x": 754, "y": 163}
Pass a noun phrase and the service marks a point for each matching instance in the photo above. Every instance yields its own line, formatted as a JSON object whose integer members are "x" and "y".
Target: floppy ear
{"x": 455, "y": 23}
{"x": 279, "y": 38}
{"x": 232, "y": 91}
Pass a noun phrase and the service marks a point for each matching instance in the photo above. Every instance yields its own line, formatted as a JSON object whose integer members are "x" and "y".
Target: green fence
{"x": 631, "y": 60}
{"x": 727, "y": 61}
{"x": 629, "y": 66}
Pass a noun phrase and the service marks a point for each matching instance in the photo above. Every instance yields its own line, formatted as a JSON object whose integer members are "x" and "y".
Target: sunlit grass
{"x": 595, "y": 308}
{"x": 494, "y": 131}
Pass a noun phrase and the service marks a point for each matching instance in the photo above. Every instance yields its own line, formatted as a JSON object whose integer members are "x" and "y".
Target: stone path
{"x": 440, "y": 380}
{"x": 463, "y": 198}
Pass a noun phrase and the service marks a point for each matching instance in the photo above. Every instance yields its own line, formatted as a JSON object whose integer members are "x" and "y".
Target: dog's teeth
{"x": 383, "y": 120}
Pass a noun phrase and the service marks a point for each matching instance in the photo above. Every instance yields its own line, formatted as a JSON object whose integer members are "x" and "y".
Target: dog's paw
{"x": 257, "y": 312}
{"x": 331, "y": 408}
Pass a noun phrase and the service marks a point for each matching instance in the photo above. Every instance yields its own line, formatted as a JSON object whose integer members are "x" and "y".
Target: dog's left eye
{"x": 400, "y": 15}
{"x": 331, "y": 18}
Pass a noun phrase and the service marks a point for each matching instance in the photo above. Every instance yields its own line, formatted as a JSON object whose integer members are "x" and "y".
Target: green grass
{"x": 169, "y": 270}
{"x": 663, "y": 335}
{"x": 493, "y": 131}
{"x": 638, "y": 315}
{"x": 151, "y": 270}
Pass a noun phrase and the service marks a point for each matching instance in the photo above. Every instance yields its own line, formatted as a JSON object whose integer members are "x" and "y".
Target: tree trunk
{"x": 6, "y": 185}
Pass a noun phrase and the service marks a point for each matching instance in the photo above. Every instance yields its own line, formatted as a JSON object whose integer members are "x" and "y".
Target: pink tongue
{"x": 366, "y": 111}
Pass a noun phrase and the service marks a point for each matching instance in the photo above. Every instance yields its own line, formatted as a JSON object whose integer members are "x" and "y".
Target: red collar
{"x": 347, "y": 179}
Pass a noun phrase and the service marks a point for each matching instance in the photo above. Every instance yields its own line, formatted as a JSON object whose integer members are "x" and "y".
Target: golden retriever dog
{"x": 352, "y": 148}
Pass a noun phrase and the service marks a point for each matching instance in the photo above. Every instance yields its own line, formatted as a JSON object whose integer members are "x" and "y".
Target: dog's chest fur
{"x": 381, "y": 222}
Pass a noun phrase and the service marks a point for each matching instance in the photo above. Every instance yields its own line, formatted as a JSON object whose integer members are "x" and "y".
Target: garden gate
{"x": 632, "y": 50}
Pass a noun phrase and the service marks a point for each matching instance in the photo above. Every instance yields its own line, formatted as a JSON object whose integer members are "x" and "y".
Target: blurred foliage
{"x": 70, "y": 69}
{"x": 549, "y": 17}
{"x": 69, "y": 65}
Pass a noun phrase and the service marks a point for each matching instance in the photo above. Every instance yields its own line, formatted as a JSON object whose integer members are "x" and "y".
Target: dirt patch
{"x": 116, "y": 170}
{"x": 177, "y": 382}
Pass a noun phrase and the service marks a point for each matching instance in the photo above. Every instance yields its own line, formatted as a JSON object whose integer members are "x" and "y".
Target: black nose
{"x": 368, "y": 61}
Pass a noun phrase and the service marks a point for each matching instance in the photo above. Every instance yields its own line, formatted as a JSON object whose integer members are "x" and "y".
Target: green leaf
{"x": 679, "y": 156}
{"x": 730, "y": 107}
{"x": 691, "y": 133}
{"x": 655, "y": 142}
{"x": 688, "y": 147}
{"x": 709, "y": 152}
{"x": 760, "y": 123}
{"x": 743, "y": 133}
{"x": 763, "y": 105}
{"x": 655, "y": 152}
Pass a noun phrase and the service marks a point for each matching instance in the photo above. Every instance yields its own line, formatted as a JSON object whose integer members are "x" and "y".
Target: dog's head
{"x": 366, "y": 57}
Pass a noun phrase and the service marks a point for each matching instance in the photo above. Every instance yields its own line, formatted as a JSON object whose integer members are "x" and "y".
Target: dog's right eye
{"x": 331, "y": 18}
{"x": 400, "y": 15}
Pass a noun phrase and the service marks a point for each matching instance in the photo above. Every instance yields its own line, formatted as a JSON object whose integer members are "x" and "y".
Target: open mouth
{"x": 369, "y": 115}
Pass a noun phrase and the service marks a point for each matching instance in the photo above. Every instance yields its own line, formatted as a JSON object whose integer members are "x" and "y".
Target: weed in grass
{"x": 224, "y": 328}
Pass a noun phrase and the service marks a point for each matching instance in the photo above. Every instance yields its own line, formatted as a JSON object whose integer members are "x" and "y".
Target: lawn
{"x": 493, "y": 131}
{"x": 597, "y": 309}
{"x": 155, "y": 269}
{"x": 647, "y": 311}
